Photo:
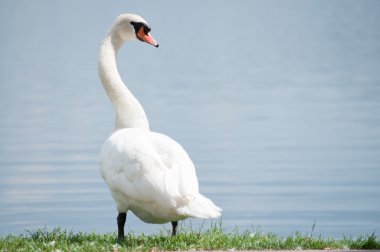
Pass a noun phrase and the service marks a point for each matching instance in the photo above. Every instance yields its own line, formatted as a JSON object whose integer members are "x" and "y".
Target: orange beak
{"x": 146, "y": 37}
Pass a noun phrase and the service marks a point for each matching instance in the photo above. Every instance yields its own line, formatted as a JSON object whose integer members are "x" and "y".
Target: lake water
{"x": 276, "y": 102}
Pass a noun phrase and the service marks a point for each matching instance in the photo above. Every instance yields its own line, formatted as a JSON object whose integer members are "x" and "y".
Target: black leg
{"x": 174, "y": 226}
{"x": 120, "y": 225}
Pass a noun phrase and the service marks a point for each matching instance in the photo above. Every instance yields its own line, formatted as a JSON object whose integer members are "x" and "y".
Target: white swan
{"x": 147, "y": 172}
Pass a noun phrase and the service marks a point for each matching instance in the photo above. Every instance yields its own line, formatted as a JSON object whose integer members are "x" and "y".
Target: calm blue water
{"x": 277, "y": 103}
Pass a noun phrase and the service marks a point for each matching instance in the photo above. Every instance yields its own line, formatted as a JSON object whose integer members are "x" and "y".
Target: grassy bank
{"x": 214, "y": 238}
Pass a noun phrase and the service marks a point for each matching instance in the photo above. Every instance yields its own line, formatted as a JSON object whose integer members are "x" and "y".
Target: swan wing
{"x": 147, "y": 166}
{"x": 180, "y": 169}
{"x": 189, "y": 201}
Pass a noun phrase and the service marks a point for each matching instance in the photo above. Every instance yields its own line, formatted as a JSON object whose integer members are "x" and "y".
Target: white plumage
{"x": 152, "y": 175}
{"x": 148, "y": 173}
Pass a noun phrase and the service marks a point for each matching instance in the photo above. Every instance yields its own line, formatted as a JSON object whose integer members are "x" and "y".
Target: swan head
{"x": 132, "y": 27}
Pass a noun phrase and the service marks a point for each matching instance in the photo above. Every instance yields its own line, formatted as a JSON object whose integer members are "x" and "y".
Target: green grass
{"x": 211, "y": 239}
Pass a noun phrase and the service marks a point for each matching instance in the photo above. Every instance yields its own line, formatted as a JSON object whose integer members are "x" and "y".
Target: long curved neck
{"x": 129, "y": 112}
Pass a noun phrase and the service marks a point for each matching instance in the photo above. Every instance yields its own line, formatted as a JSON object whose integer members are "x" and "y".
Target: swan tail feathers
{"x": 200, "y": 207}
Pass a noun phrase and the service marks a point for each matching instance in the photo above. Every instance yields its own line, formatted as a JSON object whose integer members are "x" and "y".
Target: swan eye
{"x": 138, "y": 25}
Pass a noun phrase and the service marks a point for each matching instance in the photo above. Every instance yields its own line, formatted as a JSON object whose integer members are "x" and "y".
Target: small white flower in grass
{"x": 252, "y": 235}
{"x": 115, "y": 247}
{"x": 299, "y": 248}
{"x": 52, "y": 243}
